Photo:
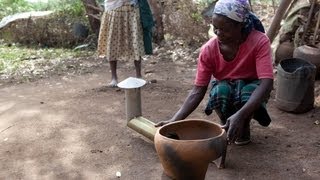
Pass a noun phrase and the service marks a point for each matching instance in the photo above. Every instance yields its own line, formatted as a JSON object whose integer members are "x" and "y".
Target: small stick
{"x": 250, "y": 5}
{"x": 95, "y": 8}
{"x": 6, "y": 128}
{"x": 94, "y": 16}
{"x": 274, "y": 6}
{"x": 316, "y": 30}
{"x": 308, "y": 21}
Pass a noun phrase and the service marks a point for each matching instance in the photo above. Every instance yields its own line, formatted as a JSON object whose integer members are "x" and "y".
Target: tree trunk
{"x": 93, "y": 11}
{"x": 157, "y": 11}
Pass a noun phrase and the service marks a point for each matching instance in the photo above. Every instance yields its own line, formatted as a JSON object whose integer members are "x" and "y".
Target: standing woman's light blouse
{"x": 113, "y": 4}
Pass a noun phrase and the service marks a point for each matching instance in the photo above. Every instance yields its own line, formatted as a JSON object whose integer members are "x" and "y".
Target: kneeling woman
{"x": 238, "y": 62}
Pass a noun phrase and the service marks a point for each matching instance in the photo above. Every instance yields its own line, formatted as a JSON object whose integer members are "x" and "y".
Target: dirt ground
{"x": 70, "y": 127}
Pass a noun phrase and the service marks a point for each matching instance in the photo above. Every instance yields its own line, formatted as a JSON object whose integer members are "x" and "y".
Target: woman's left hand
{"x": 234, "y": 127}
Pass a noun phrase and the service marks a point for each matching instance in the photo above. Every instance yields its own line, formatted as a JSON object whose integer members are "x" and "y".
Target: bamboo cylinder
{"x": 133, "y": 103}
{"x": 143, "y": 126}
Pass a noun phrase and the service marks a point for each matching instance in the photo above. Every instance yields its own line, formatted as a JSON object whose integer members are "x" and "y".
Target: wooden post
{"x": 275, "y": 25}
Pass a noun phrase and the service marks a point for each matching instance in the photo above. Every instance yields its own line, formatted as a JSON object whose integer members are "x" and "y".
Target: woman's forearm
{"x": 191, "y": 103}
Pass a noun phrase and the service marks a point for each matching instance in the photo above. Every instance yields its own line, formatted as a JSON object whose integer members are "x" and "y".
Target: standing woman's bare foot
{"x": 113, "y": 83}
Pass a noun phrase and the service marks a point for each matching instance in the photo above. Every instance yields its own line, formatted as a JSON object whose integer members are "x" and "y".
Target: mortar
{"x": 185, "y": 148}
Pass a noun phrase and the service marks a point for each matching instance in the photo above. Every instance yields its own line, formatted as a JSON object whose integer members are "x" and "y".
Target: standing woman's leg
{"x": 136, "y": 39}
{"x": 106, "y": 38}
{"x": 114, "y": 77}
{"x": 121, "y": 38}
{"x": 137, "y": 64}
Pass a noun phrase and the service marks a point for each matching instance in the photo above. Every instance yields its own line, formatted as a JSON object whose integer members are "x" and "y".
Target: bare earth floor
{"x": 69, "y": 127}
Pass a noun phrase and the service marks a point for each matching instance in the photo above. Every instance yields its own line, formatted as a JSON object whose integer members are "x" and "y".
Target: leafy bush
{"x": 73, "y": 8}
{"x": 69, "y": 8}
{"x": 53, "y": 31}
{"x": 8, "y": 7}
{"x": 182, "y": 18}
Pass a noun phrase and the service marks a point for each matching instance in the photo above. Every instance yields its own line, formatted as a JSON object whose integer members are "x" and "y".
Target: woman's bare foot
{"x": 113, "y": 83}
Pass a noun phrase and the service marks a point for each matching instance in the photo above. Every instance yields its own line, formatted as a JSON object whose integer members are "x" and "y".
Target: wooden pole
{"x": 275, "y": 25}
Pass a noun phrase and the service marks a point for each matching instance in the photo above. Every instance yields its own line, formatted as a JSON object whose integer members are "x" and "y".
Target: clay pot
{"x": 284, "y": 51}
{"x": 185, "y": 148}
{"x": 309, "y": 53}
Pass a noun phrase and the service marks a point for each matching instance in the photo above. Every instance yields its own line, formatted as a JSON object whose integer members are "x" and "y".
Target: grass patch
{"x": 15, "y": 57}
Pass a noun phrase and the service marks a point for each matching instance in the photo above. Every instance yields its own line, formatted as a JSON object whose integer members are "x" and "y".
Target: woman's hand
{"x": 163, "y": 123}
{"x": 234, "y": 127}
{"x": 190, "y": 104}
{"x": 236, "y": 123}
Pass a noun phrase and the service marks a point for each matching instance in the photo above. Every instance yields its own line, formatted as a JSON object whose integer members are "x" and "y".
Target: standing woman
{"x": 121, "y": 36}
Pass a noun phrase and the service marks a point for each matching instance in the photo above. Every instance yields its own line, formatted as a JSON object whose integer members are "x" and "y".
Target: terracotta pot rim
{"x": 194, "y": 140}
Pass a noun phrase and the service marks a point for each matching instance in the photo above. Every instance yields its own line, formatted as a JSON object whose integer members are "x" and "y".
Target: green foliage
{"x": 100, "y": 1}
{"x": 8, "y": 7}
{"x": 196, "y": 16}
{"x": 201, "y": 4}
{"x": 73, "y": 8}
{"x": 70, "y": 8}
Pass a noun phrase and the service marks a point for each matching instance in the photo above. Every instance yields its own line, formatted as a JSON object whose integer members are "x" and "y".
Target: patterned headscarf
{"x": 240, "y": 11}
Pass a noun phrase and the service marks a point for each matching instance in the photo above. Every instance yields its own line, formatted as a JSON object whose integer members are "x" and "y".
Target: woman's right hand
{"x": 190, "y": 104}
{"x": 161, "y": 123}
